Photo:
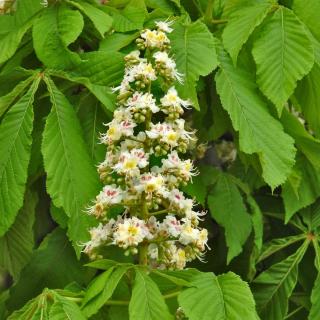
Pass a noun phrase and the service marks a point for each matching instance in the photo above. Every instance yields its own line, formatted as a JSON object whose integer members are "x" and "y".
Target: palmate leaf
{"x": 226, "y": 206}
{"x": 315, "y": 294}
{"x": 273, "y": 287}
{"x": 194, "y": 50}
{"x": 147, "y": 302}
{"x": 17, "y": 244}
{"x": 224, "y": 297}
{"x": 71, "y": 178}
{"x": 249, "y": 115}
{"x": 241, "y": 23}
{"x": 15, "y": 147}
{"x": 49, "y": 305}
{"x": 283, "y": 55}
{"x": 53, "y": 31}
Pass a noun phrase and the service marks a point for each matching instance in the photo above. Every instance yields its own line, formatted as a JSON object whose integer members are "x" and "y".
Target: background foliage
{"x": 252, "y": 70}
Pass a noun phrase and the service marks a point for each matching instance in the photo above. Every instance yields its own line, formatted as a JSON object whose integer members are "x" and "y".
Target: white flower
{"x": 179, "y": 201}
{"x": 143, "y": 69}
{"x": 150, "y": 182}
{"x": 164, "y": 26}
{"x": 189, "y": 235}
{"x": 172, "y": 99}
{"x": 143, "y": 101}
{"x": 130, "y": 232}
{"x": 133, "y": 55}
{"x": 153, "y": 251}
{"x": 117, "y": 129}
{"x": 131, "y": 161}
{"x": 202, "y": 239}
{"x": 110, "y": 195}
{"x": 163, "y": 58}
{"x": 171, "y": 226}
{"x": 154, "y": 38}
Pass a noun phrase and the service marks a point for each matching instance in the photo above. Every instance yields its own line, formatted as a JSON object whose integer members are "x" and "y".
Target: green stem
{"x": 158, "y": 212}
{"x": 219, "y": 21}
{"x": 209, "y": 11}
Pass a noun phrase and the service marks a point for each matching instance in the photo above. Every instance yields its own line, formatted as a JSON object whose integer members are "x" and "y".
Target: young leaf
{"x": 273, "y": 287}
{"x": 63, "y": 308}
{"x": 17, "y": 244}
{"x": 53, "y": 31}
{"x": 241, "y": 23}
{"x": 248, "y": 112}
{"x": 100, "y": 19}
{"x": 225, "y": 297}
{"x": 226, "y": 206}
{"x": 71, "y": 178}
{"x": 194, "y": 49}
{"x": 97, "y": 299}
{"x": 146, "y": 302}
{"x": 283, "y": 55}
{"x": 15, "y": 146}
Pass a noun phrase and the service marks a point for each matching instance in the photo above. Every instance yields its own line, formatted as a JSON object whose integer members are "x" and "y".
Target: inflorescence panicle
{"x": 146, "y": 163}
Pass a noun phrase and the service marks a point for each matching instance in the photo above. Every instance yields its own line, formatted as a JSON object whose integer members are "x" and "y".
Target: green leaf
{"x": 283, "y": 55}
{"x": 9, "y": 42}
{"x": 249, "y": 115}
{"x": 8, "y": 99}
{"x": 15, "y": 147}
{"x": 273, "y": 287}
{"x": 226, "y": 206}
{"x": 100, "y": 19}
{"x": 193, "y": 47}
{"x": 276, "y": 245}
{"x": 311, "y": 216}
{"x": 102, "y": 289}
{"x": 53, "y": 31}
{"x": 92, "y": 119}
{"x": 17, "y": 244}
{"x": 304, "y": 141}
{"x": 26, "y": 9}
{"x": 306, "y": 192}
{"x": 226, "y": 297}
{"x": 71, "y": 178}
{"x": 52, "y": 265}
{"x": 116, "y": 41}
{"x": 130, "y": 18}
{"x": 171, "y": 278}
{"x": 241, "y": 24}
{"x": 308, "y": 96}
{"x": 315, "y": 300}
{"x": 146, "y": 302}
{"x": 308, "y": 15}
{"x": 101, "y": 68}
{"x": 63, "y": 309}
